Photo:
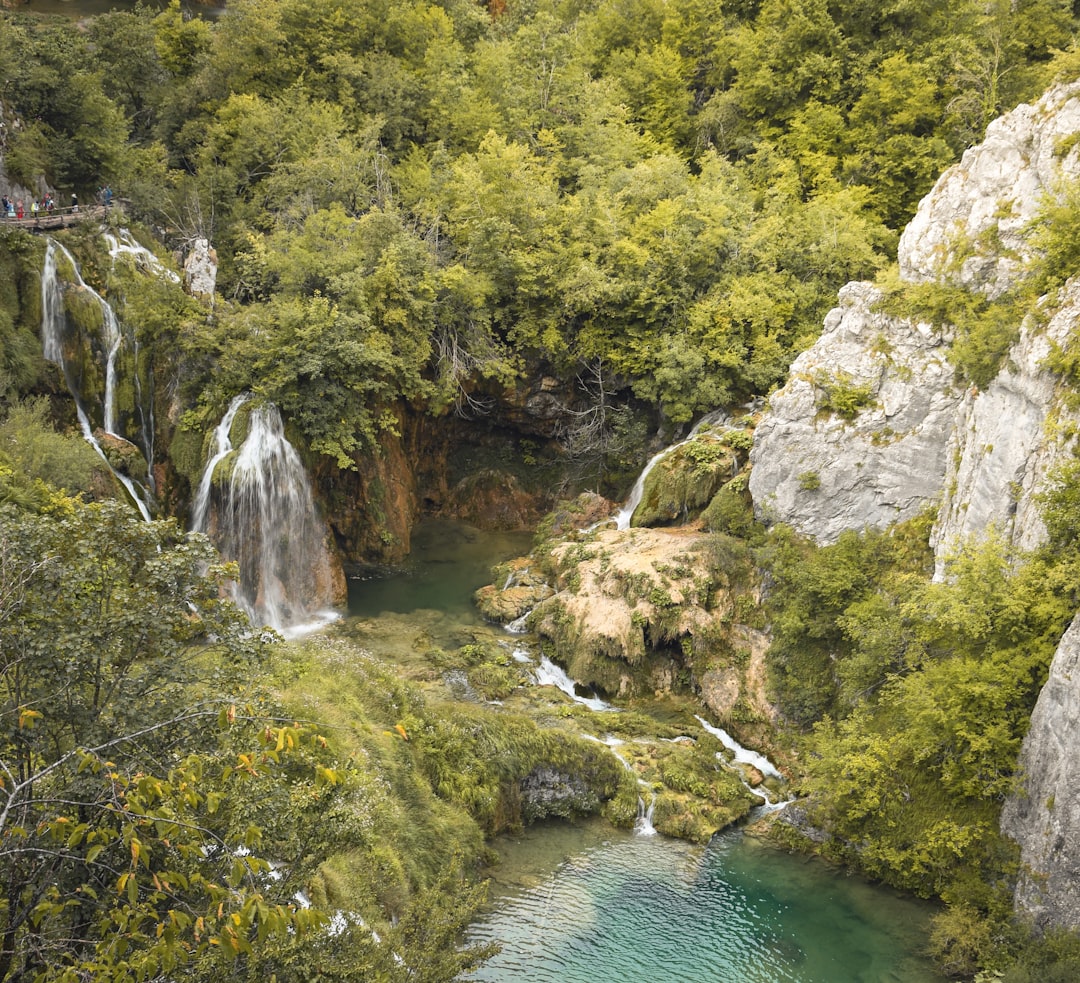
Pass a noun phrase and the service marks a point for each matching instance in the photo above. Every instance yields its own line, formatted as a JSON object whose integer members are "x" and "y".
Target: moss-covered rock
{"x": 518, "y": 588}
{"x": 682, "y": 483}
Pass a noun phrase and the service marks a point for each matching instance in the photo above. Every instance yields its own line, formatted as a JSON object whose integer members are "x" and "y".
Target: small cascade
{"x": 643, "y": 824}
{"x": 53, "y": 329}
{"x": 124, "y": 244}
{"x": 264, "y": 518}
{"x": 519, "y": 626}
{"x": 133, "y": 488}
{"x": 626, "y": 513}
{"x": 741, "y": 755}
{"x": 145, "y": 409}
{"x": 549, "y": 674}
{"x": 744, "y": 756}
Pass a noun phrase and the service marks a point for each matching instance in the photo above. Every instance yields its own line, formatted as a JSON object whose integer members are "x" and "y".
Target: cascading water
{"x": 549, "y": 674}
{"x": 53, "y": 329}
{"x": 744, "y": 756}
{"x": 222, "y": 445}
{"x": 626, "y": 513}
{"x": 263, "y": 517}
{"x": 125, "y": 244}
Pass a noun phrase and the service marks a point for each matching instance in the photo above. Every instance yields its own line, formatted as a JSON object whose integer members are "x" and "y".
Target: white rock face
{"x": 200, "y": 270}
{"x": 996, "y": 187}
{"x": 919, "y": 442}
{"x": 1001, "y": 452}
{"x": 1044, "y": 815}
{"x": 824, "y": 474}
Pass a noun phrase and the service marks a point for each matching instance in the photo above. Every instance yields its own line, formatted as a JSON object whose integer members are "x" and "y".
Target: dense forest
{"x": 417, "y": 207}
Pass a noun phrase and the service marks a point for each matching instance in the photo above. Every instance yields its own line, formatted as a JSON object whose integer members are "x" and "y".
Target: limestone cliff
{"x": 1044, "y": 815}
{"x": 871, "y": 426}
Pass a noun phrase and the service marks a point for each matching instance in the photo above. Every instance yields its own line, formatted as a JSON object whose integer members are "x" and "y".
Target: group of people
{"x": 12, "y": 208}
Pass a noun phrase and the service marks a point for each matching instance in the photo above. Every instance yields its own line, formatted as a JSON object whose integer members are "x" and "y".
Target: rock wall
{"x": 1001, "y": 449}
{"x": 1044, "y": 814}
{"x": 913, "y": 440}
{"x": 823, "y": 473}
{"x": 916, "y": 440}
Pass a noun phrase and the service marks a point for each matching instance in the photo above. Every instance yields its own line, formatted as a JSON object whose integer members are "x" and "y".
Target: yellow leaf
{"x": 27, "y": 717}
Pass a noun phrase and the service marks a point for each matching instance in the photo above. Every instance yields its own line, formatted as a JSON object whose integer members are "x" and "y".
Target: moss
{"x": 186, "y": 454}
{"x": 494, "y": 681}
{"x": 685, "y": 481}
{"x": 840, "y": 394}
{"x": 731, "y": 511}
{"x": 622, "y": 808}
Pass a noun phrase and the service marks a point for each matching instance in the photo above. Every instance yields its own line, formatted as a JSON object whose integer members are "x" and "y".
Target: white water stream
{"x": 626, "y": 513}
{"x": 53, "y": 323}
{"x": 125, "y": 244}
{"x": 547, "y": 673}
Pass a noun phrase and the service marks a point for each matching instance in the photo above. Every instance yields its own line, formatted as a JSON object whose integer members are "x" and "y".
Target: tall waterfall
{"x": 263, "y": 517}
{"x": 54, "y": 330}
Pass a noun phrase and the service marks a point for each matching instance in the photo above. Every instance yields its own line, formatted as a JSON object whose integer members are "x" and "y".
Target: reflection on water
{"x": 449, "y": 561}
{"x": 639, "y": 910}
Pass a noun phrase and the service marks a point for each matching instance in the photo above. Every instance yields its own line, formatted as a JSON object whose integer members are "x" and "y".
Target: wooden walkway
{"x": 59, "y": 218}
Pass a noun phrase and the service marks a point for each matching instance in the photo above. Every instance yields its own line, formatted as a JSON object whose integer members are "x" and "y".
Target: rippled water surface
{"x": 652, "y": 910}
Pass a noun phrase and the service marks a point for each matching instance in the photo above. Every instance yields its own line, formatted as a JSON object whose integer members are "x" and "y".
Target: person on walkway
{"x": 19, "y": 209}
{"x": 6, "y": 204}
{"x": 34, "y": 209}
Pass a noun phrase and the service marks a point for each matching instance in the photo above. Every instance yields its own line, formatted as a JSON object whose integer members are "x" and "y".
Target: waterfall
{"x": 222, "y": 445}
{"x": 52, "y": 308}
{"x": 53, "y": 325}
{"x": 742, "y": 755}
{"x": 549, "y": 674}
{"x": 133, "y": 488}
{"x": 263, "y": 517}
{"x": 626, "y": 513}
{"x": 643, "y": 824}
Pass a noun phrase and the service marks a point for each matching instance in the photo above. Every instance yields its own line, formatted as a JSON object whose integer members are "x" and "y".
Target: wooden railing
{"x": 59, "y": 218}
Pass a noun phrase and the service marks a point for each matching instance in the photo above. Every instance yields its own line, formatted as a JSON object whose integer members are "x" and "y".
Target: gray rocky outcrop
{"x": 1043, "y": 816}
{"x": 200, "y": 270}
{"x": 547, "y": 791}
{"x": 914, "y": 439}
{"x": 1001, "y": 450}
{"x": 983, "y": 203}
{"x": 823, "y": 473}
